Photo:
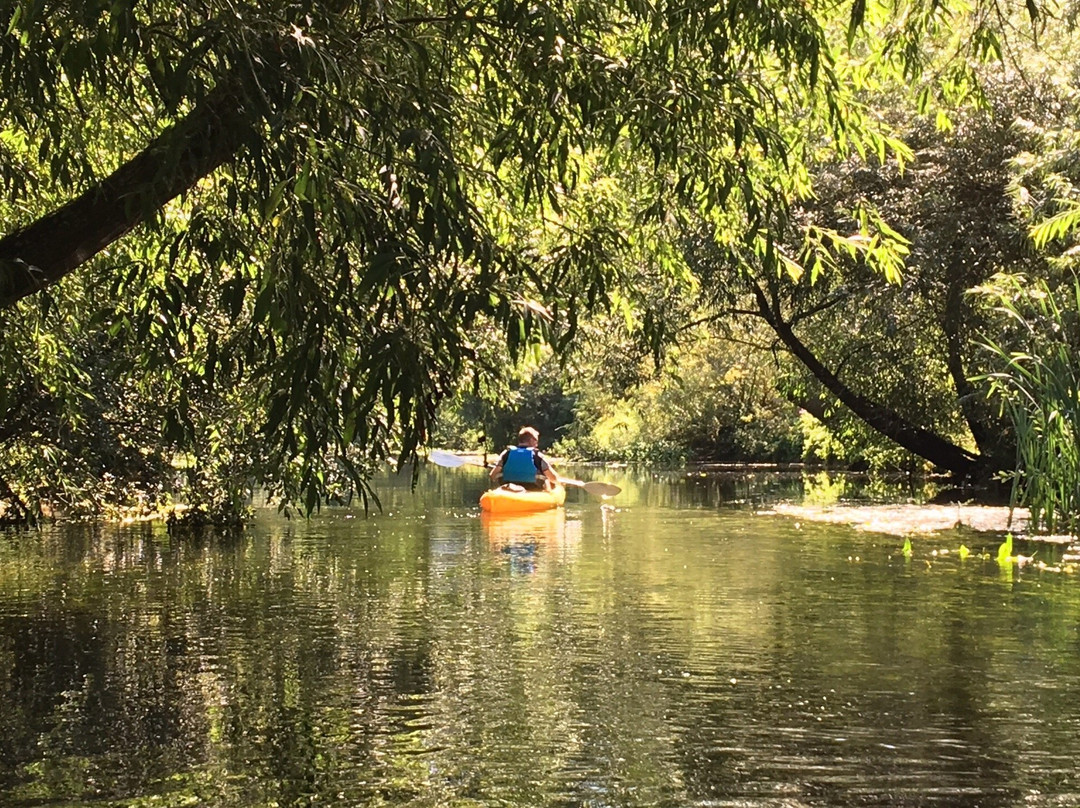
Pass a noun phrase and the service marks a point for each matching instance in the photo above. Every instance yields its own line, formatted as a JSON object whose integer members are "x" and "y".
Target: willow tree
{"x": 900, "y": 357}
{"x": 285, "y": 216}
{"x": 882, "y": 329}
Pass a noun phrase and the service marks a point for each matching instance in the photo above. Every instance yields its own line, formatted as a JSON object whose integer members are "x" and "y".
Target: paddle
{"x": 592, "y": 487}
{"x": 453, "y": 461}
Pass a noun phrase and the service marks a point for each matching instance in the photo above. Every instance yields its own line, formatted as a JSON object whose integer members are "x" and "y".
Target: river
{"x": 674, "y": 647}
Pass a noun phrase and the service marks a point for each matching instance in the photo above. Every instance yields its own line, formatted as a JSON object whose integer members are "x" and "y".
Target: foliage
{"x": 846, "y": 440}
{"x": 532, "y": 395}
{"x": 593, "y": 352}
{"x": 819, "y": 442}
{"x": 78, "y": 432}
{"x": 370, "y": 172}
{"x": 294, "y": 214}
{"x": 878, "y": 362}
{"x": 1039, "y": 388}
{"x": 715, "y": 399}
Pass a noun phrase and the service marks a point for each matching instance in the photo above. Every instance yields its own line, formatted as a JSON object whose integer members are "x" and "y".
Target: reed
{"x": 1039, "y": 389}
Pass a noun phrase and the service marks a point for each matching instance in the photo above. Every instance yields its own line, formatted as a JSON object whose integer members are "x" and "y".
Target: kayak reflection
{"x": 525, "y": 538}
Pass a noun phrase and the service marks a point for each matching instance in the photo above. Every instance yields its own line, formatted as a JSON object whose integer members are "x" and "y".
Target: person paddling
{"x": 524, "y": 465}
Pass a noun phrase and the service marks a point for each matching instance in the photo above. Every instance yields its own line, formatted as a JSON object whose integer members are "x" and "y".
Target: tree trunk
{"x": 816, "y": 406}
{"x": 54, "y": 245}
{"x": 892, "y": 425}
{"x": 967, "y": 395}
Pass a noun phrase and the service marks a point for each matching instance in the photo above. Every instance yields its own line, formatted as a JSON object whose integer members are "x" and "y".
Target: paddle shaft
{"x": 448, "y": 460}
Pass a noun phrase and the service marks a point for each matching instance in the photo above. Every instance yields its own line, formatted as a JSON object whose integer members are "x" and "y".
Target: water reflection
{"x": 661, "y": 649}
{"x": 527, "y": 539}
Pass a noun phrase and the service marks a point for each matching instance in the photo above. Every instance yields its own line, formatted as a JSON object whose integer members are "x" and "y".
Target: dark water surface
{"x": 673, "y": 650}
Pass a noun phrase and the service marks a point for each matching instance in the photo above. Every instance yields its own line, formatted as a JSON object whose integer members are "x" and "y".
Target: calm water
{"x": 675, "y": 650}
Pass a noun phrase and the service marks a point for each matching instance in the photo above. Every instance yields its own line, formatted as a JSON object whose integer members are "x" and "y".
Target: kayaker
{"x": 524, "y": 465}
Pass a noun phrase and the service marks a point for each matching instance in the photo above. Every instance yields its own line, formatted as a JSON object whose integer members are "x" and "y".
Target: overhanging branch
{"x": 50, "y": 248}
{"x": 892, "y": 425}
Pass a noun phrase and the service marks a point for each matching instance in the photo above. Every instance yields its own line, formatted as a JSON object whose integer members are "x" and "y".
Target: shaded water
{"x": 670, "y": 651}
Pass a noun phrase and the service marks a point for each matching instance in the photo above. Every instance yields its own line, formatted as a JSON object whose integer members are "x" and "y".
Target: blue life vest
{"x": 520, "y": 466}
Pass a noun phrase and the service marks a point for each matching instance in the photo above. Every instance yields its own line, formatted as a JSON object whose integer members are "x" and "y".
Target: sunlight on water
{"x": 670, "y": 648}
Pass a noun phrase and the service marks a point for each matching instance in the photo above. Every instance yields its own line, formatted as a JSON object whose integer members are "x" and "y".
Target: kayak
{"x": 515, "y": 499}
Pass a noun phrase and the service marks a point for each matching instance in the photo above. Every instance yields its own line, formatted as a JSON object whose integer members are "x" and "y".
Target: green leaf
{"x": 273, "y": 201}
{"x": 1005, "y": 551}
{"x": 858, "y": 13}
{"x": 1057, "y": 226}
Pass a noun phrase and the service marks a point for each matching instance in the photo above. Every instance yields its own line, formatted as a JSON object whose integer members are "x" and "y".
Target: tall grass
{"x": 1039, "y": 388}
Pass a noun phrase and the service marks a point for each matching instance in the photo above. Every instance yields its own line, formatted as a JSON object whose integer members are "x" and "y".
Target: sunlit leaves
{"x": 388, "y": 178}
{"x": 1039, "y": 388}
{"x": 1058, "y": 226}
{"x": 1004, "y": 552}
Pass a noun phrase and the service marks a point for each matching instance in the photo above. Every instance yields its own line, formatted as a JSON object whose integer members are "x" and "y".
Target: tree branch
{"x": 50, "y": 248}
{"x": 889, "y": 423}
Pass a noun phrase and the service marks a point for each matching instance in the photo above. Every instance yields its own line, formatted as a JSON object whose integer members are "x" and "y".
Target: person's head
{"x": 527, "y": 436}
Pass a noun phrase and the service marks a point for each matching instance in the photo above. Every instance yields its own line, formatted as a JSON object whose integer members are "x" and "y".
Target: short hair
{"x": 528, "y": 431}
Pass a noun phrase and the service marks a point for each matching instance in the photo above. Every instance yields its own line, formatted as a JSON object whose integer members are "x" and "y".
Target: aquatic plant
{"x": 1039, "y": 389}
{"x": 1004, "y": 553}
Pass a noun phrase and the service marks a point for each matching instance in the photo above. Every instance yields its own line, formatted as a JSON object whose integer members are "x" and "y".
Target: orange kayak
{"x": 515, "y": 499}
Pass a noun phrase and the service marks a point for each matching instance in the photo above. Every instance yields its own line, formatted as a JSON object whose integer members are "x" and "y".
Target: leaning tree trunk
{"x": 54, "y": 245}
{"x": 892, "y": 425}
{"x": 988, "y": 439}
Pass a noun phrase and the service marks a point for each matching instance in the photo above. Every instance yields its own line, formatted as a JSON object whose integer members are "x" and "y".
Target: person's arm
{"x": 546, "y": 470}
{"x": 496, "y": 471}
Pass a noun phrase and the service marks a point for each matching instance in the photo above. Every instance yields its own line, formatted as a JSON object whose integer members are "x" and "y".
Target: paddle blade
{"x": 450, "y": 461}
{"x": 601, "y": 489}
